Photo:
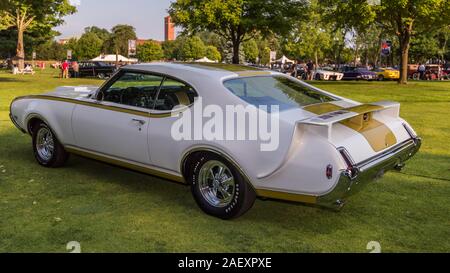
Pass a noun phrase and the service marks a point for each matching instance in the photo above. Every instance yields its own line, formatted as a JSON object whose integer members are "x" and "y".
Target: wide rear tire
{"x": 219, "y": 188}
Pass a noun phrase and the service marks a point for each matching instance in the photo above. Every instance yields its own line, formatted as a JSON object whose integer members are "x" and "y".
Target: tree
{"x": 88, "y": 46}
{"x": 212, "y": 53}
{"x": 192, "y": 48}
{"x": 4, "y": 19}
{"x": 265, "y": 56}
{"x": 171, "y": 49}
{"x": 311, "y": 37}
{"x": 120, "y": 36}
{"x": 404, "y": 18}
{"x": 150, "y": 51}
{"x": 28, "y": 14}
{"x": 251, "y": 50}
{"x": 265, "y": 46}
{"x": 443, "y": 38}
{"x": 424, "y": 47}
{"x": 102, "y": 34}
{"x": 236, "y": 20}
{"x": 51, "y": 50}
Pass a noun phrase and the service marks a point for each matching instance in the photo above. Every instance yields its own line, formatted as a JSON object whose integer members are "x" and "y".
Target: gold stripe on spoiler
{"x": 375, "y": 132}
{"x": 322, "y": 108}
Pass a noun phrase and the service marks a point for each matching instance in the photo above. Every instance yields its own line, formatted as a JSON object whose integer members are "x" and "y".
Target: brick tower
{"x": 169, "y": 29}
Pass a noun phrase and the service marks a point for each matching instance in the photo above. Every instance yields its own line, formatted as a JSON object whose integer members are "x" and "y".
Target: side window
{"x": 134, "y": 89}
{"x": 173, "y": 94}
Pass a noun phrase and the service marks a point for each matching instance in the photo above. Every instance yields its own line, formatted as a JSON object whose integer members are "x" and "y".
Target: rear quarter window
{"x": 275, "y": 91}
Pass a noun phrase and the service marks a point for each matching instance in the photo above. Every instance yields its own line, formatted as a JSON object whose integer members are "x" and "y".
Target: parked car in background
{"x": 413, "y": 72}
{"x": 433, "y": 72}
{"x": 387, "y": 73}
{"x": 94, "y": 69}
{"x": 329, "y": 146}
{"x": 301, "y": 73}
{"x": 327, "y": 74}
{"x": 445, "y": 73}
{"x": 358, "y": 73}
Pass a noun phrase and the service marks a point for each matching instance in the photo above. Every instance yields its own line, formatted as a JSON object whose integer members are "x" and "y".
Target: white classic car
{"x": 328, "y": 146}
{"x": 327, "y": 74}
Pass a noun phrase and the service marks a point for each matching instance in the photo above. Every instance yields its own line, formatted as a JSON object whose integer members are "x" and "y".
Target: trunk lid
{"x": 363, "y": 131}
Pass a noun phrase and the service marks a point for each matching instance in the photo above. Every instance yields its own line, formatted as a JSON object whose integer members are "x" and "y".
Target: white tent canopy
{"x": 284, "y": 60}
{"x": 112, "y": 59}
{"x": 205, "y": 60}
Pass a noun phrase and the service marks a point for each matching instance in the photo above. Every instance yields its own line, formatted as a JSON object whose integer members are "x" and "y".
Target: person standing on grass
{"x": 422, "y": 70}
{"x": 310, "y": 66}
{"x": 65, "y": 69}
{"x": 76, "y": 69}
{"x": 294, "y": 70}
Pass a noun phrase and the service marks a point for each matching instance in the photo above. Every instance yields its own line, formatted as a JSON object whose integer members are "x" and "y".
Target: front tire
{"x": 219, "y": 188}
{"x": 48, "y": 151}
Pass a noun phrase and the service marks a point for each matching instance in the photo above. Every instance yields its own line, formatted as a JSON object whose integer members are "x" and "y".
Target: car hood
{"x": 73, "y": 92}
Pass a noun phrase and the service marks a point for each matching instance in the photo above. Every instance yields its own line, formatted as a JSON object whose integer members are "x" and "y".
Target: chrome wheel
{"x": 217, "y": 184}
{"x": 45, "y": 146}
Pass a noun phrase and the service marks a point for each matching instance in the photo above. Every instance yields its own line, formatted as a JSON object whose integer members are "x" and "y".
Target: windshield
{"x": 275, "y": 90}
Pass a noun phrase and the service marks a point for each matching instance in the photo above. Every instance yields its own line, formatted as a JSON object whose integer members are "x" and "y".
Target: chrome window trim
{"x": 121, "y": 71}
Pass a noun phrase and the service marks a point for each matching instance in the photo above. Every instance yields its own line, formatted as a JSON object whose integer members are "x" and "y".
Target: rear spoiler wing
{"x": 326, "y": 121}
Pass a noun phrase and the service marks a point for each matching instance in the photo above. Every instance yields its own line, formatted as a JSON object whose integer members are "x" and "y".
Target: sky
{"x": 147, "y": 16}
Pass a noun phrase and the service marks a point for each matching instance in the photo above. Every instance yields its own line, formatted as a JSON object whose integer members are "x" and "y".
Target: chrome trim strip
{"x": 369, "y": 163}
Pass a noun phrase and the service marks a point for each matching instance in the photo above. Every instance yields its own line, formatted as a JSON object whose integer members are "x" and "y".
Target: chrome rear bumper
{"x": 353, "y": 180}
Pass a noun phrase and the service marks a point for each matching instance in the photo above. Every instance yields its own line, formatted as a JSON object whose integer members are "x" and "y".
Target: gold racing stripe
{"x": 125, "y": 164}
{"x": 309, "y": 199}
{"x": 378, "y": 135}
{"x": 365, "y": 108}
{"x": 96, "y": 105}
{"x": 322, "y": 108}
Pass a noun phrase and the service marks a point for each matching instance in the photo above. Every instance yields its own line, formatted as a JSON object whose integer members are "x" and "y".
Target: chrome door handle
{"x": 140, "y": 121}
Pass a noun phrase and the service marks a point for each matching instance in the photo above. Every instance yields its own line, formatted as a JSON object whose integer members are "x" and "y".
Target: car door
{"x": 174, "y": 98}
{"x": 117, "y": 124}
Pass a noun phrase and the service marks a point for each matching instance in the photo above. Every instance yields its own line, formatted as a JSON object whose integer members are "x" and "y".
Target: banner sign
{"x": 69, "y": 54}
{"x": 131, "y": 47}
{"x": 386, "y": 48}
{"x": 273, "y": 56}
{"x": 34, "y": 55}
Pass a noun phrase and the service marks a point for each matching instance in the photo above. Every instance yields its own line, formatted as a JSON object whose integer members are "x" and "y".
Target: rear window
{"x": 275, "y": 90}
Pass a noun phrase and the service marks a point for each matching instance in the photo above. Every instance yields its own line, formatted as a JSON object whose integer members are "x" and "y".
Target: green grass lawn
{"x": 108, "y": 209}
